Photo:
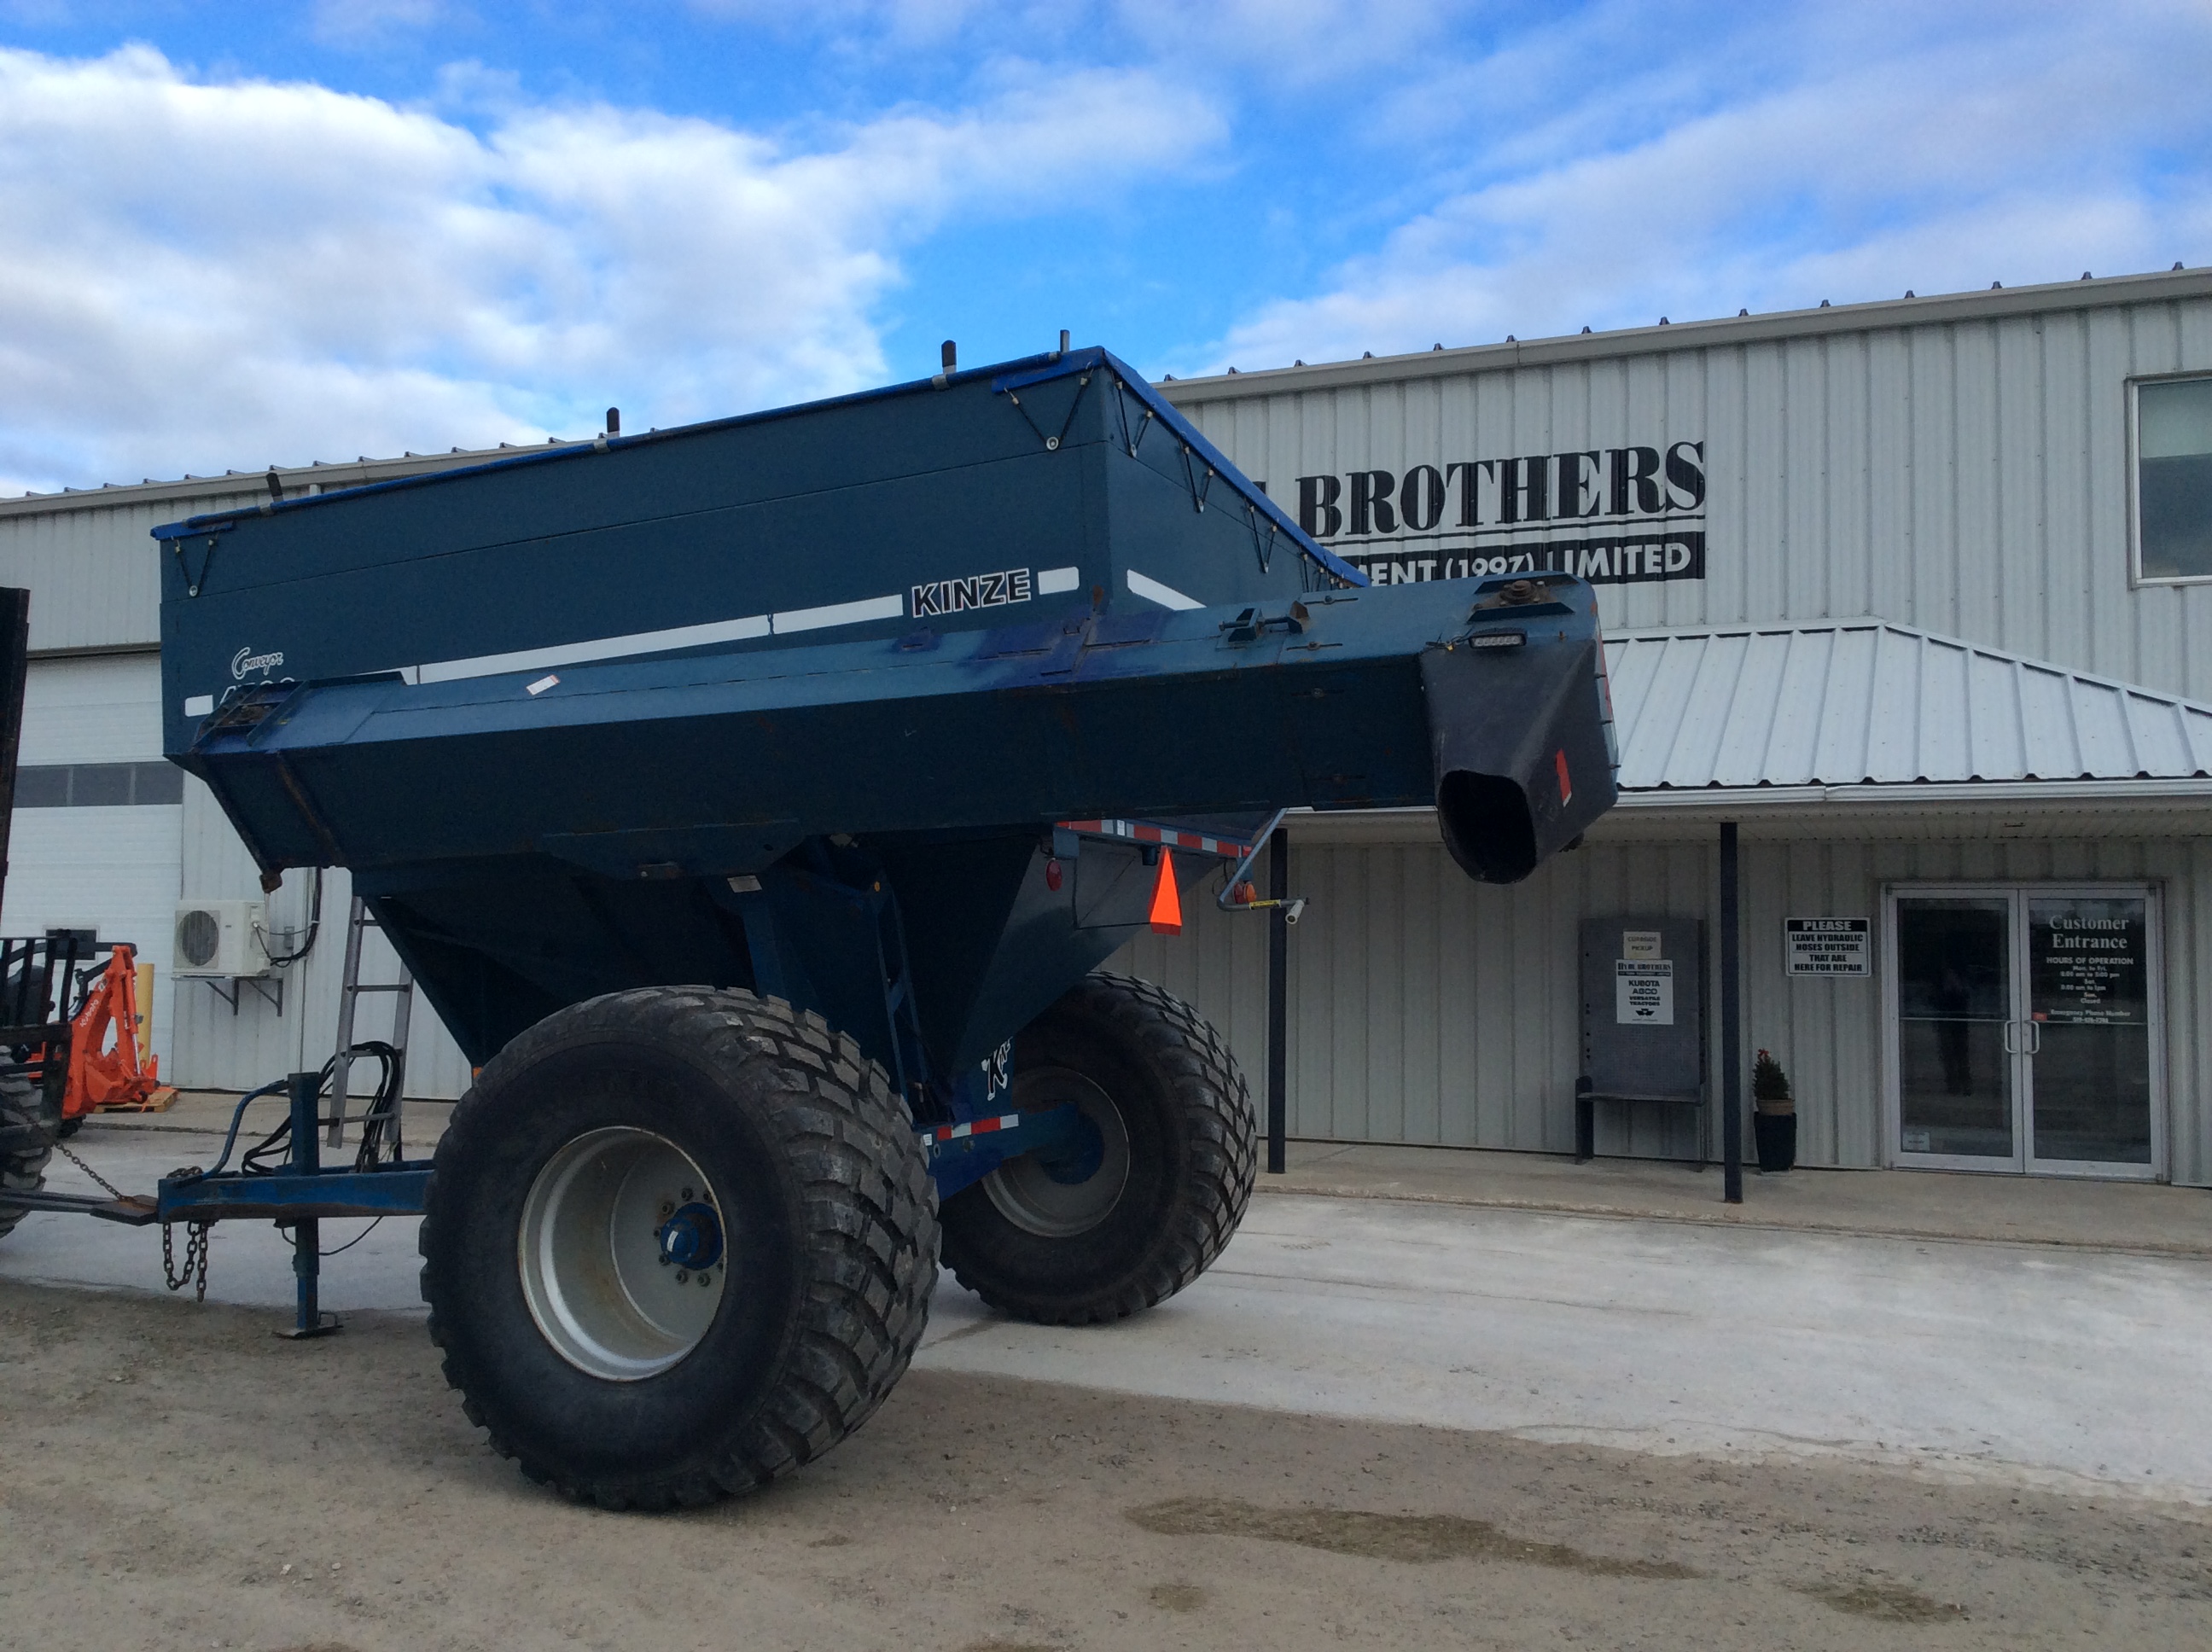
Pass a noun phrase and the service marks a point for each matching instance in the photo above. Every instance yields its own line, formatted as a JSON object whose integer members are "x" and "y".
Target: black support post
{"x": 1731, "y": 1024}
{"x": 305, "y": 1093}
{"x": 1279, "y": 996}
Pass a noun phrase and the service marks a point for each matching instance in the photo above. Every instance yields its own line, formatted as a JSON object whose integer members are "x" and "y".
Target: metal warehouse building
{"x": 1920, "y": 594}
{"x": 1917, "y": 594}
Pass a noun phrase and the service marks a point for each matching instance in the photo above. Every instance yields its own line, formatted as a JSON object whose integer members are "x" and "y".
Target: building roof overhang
{"x": 1862, "y": 729}
{"x": 1938, "y": 309}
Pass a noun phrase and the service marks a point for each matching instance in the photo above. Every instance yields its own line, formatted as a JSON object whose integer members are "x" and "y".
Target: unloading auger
{"x": 754, "y": 801}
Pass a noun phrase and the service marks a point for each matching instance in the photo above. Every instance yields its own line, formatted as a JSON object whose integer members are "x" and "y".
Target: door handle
{"x": 2034, "y": 1037}
{"x": 2010, "y": 1047}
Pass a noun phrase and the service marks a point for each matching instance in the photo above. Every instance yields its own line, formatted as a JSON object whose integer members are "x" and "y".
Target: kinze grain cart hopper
{"x": 754, "y": 801}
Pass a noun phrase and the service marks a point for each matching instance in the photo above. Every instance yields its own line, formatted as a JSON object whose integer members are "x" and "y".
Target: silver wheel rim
{"x": 1026, "y": 1192}
{"x": 591, "y": 1255}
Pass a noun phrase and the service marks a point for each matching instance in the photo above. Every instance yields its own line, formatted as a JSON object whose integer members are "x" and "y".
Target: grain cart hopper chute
{"x": 751, "y": 800}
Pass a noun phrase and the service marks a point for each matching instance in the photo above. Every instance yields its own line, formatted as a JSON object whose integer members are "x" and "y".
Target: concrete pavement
{"x": 1906, "y": 1203}
{"x": 2075, "y": 1365}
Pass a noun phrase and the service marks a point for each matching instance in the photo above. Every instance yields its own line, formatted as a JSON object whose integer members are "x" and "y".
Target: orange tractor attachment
{"x": 127, "y": 1079}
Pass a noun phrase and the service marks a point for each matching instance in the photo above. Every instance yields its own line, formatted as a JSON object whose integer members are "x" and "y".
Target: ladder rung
{"x": 394, "y": 987}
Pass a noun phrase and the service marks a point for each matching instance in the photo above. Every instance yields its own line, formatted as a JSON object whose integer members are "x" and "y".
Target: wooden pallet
{"x": 159, "y": 1100}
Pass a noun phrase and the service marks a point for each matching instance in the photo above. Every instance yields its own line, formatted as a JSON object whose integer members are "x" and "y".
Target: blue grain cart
{"x": 755, "y": 801}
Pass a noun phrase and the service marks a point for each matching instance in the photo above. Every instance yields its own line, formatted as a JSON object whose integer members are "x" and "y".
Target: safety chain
{"x": 196, "y": 1238}
{"x": 113, "y": 1192}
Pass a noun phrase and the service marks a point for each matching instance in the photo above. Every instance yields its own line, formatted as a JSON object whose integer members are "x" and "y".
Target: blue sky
{"x": 235, "y": 234}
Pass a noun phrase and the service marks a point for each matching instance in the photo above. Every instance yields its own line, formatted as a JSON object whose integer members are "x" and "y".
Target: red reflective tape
{"x": 1566, "y": 786}
{"x": 974, "y": 1128}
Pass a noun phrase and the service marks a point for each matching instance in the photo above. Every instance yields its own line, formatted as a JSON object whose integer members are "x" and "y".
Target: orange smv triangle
{"x": 1167, "y": 900}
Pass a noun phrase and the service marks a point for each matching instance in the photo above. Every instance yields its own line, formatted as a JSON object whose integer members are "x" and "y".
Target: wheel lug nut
{"x": 687, "y": 1194}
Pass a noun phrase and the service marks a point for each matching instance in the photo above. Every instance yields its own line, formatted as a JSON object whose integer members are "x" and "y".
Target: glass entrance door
{"x": 1956, "y": 1072}
{"x": 2087, "y": 1031}
{"x": 2023, "y": 1033}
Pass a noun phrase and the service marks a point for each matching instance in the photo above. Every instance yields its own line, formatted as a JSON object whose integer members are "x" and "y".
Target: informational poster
{"x": 1644, "y": 992}
{"x": 2086, "y": 961}
{"x": 1826, "y": 947}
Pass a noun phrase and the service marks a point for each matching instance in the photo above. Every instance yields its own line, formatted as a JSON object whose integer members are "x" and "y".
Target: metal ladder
{"x": 349, "y": 991}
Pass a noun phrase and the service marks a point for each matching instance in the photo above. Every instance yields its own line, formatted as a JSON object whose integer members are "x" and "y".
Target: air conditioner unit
{"x": 221, "y": 938}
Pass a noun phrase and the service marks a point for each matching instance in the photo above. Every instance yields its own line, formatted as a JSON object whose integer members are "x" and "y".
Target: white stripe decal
{"x": 1166, "y": 595}
{"x": 577, "y": 654}
{"x": 840, "y": 613}
{"x": 747, "y": 630}
{"x": 1051, "y": 581}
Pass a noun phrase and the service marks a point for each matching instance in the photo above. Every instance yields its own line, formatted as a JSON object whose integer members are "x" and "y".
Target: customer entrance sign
{"x": 2086, "y": 961}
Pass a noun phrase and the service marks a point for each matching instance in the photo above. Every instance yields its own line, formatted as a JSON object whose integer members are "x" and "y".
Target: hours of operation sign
{"x": 1826, "y": 947}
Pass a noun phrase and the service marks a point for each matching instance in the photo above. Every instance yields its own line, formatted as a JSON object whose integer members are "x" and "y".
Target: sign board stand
{"x": 1642, "y": 1016}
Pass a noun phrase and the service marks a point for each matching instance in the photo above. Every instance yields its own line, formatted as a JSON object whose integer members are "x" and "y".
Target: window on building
{"x": 2174, "y": 479}
{"x": 80, "y": 786}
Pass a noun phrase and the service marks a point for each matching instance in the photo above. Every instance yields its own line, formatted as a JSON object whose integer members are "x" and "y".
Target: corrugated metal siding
{"x": 217, "y": 1049}
{"x": 93, "y": 573}
{"x": 1399, "y": 962}
{"x": 1425, "y": 1008}
{"x": 1969, "y": 478}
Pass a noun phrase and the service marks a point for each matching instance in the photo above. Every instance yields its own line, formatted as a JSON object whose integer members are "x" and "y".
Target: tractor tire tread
{"x": 865, "y": 1195}
{"x": 22, "y": 1102}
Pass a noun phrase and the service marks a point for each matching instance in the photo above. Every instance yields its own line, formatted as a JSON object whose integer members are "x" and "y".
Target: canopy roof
{"x": 1865, "y": 703}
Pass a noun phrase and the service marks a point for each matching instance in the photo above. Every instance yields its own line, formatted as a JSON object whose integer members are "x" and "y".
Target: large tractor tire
{"x": 1162, "y": 1181}
{"x": 26, "y": 1117}
{"x": 680, "y": 1241}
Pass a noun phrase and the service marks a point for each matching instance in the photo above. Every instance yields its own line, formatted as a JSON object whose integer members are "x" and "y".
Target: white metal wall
{"x": 114, "y": 869}
{"x": 94, "y": 571}
{"x": 1969, "y": 477}
{"x": 1426, "y": 1008}
{"x": 218, "y": 1049}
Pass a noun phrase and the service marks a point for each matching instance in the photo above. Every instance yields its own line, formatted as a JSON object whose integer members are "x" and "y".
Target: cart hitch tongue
{"x": 692, "y": 1238}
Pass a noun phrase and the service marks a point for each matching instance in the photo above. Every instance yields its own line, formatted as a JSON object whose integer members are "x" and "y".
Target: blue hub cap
{"x": 692, "y": 1238}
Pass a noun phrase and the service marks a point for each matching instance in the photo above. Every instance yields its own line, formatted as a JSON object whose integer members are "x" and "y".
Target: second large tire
{"x": 603, "y": 1358}
{"x": 1171, "y": 1167}
{"x": 24, "y": 1114}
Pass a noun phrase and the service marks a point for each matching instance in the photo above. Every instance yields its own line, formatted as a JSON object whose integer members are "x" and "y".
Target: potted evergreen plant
{"x": 1774, "y": 1115}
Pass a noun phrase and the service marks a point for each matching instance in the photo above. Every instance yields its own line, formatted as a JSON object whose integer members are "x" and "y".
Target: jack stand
{"x": 305, "y": 1089}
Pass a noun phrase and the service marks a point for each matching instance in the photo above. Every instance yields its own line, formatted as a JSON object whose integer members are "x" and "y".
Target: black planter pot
{"x": 1776, "y": 1134}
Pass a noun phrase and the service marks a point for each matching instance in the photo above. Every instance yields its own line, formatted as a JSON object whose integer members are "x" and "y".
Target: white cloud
{"x": 367, "y": 23}
{"x": 197, "y": 275}
{"x": 1874, "y": 165}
